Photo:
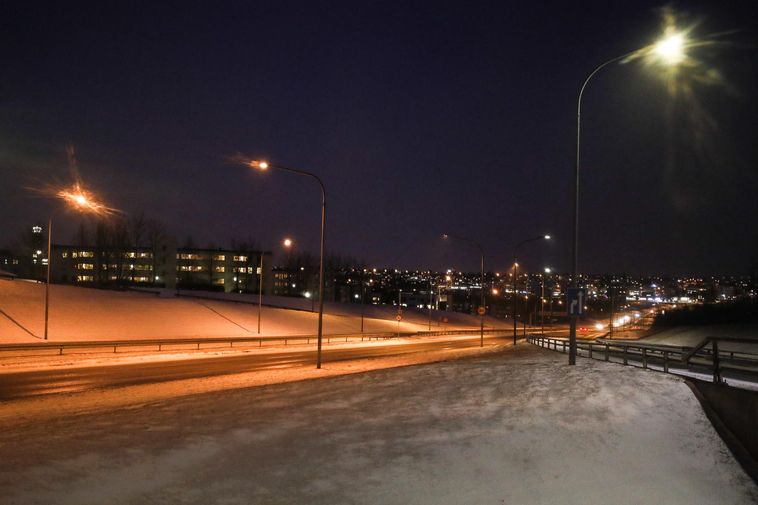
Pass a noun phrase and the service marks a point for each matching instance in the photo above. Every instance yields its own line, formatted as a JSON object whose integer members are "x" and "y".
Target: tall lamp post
{"x": 263, "y": 165}
{"x": 83, "y": 201}
{"x": 515, "y": 277}
{"x": 667, "y": 51}
{"x": 542, "y": 298}
{"x": 481, "y": 309}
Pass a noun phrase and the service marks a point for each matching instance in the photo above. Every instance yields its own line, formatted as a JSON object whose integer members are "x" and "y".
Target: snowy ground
{"x": 518, "y": 427}
{"x": 691, "y": 336}
{"x": 78, "y": 314}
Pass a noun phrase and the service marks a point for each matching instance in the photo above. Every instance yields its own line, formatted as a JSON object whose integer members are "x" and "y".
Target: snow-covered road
{"x": 518, "y": 427}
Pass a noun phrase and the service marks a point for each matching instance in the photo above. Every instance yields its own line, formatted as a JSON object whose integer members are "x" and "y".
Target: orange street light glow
{"x": 79, "y": 198}
{"x": 287, "y": 242}
{"x": 260, "y": 164}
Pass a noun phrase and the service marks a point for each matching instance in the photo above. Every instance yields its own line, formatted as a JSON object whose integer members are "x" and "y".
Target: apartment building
{"x": 164, "y": 266}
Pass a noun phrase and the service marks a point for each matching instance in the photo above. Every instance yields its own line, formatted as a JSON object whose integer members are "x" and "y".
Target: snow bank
{"x": 519, "y": 428}
{"x": 90, "y": 314}
{"x": 690, "y": 336}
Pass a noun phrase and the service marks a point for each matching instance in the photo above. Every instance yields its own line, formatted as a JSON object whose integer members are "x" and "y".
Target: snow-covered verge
{"x": 691, "y": 336}
{"x": 518, "y": 427}
{"x": 78, "y": 314}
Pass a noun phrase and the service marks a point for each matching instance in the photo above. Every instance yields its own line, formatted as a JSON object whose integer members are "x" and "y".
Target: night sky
{"x": 421, "y": 118}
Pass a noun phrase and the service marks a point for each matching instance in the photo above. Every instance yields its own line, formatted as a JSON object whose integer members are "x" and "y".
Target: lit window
{"x": 219, "y": 257}
{"x": 64, "y": 254}
{"x": 218, "y": 269}
{"x": 240, "y": 258}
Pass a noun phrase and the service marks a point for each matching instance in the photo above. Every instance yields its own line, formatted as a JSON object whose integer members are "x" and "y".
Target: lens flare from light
{"x": 79, "y": 198}
{"x": 670, "y": 49}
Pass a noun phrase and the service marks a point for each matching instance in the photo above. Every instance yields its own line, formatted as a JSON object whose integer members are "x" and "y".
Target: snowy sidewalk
{"x": 516, "y": 428}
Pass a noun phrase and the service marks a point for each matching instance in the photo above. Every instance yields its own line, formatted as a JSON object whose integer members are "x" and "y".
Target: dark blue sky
{"x": 421, "y": 118}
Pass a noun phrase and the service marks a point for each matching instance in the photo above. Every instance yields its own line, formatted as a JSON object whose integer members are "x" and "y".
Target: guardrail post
{"x": 716, "y": 370}
{"x": 114, "y": 348}
{"x": 590, "y": 350}
{"x": 644, "y": 358}
{"x": 564, "y": 347}
{"x": 607, "y": 352}
{"x": 625, "y": 360}
{"x": 665, "y": 361}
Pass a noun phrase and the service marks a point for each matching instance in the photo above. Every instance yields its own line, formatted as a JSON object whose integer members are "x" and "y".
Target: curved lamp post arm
{"x": 515, "y": 276}
{"x": 575, "y": 252}
{"x": 578, "y": 145}
{"x": 260, "y": 165}
{"x": 305, "y": 174}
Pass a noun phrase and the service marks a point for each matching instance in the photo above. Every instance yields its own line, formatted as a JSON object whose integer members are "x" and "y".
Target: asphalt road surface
{"x": 27, "y": 384}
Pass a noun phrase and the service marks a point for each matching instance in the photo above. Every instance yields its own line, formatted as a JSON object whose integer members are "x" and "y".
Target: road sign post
{"x": 575, "y": 298}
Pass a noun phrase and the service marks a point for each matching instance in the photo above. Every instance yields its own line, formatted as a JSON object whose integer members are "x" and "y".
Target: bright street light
{"x": 264, "y": 165}
{"x": 515, "y": 277}
{"x": 668, "y": 51}
{"x": 79, "y": 199}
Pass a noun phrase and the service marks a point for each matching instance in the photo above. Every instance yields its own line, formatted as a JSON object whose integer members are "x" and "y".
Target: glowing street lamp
{"x": 668, "y": 52}
{"x": 670, "y": 49}
{"x": 515, "y": 277}
{"x": 263, "y": 166}
{"x": 81, "y": 200}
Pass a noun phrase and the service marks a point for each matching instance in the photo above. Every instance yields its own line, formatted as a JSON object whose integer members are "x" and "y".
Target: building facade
{"x": 163, "y": 266}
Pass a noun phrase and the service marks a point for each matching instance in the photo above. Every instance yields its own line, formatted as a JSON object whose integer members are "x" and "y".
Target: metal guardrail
{"x": 666, "y": 358}
{"x": 216, "y": 342}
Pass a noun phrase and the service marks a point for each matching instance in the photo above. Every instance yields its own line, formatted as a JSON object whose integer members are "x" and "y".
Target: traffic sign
{"x": 575, "y": 298}
{"x": 481, "y": 311}
{"x": 399, "y": 317}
